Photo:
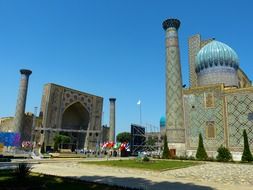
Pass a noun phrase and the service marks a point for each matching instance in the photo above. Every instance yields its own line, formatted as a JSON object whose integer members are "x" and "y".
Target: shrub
{"x": 246, "y": 156}
{"x": 22, "y": 171}
{"x": 210, "y": 159}
{"x": 191, "y": 158}
{"x": 145, "y": 159}
{"x": 183, "y": 157}
{"x": 165, "y": 148}
{"x": 201, "y": 152}
{"x": 224, "y": 155}
{"x": 5, "y": 159}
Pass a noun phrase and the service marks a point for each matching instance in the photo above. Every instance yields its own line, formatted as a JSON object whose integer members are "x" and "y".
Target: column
{"x": 20, "y": 107}
{"x": 112, "y": 120}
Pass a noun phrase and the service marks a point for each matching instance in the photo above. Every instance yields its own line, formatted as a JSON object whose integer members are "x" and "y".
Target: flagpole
{"x": 139, "y": 104}
{"x": 140, "y": 113}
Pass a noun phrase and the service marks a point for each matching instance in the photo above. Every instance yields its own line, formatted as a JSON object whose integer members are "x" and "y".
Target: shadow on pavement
{"x": 142, "y": 184}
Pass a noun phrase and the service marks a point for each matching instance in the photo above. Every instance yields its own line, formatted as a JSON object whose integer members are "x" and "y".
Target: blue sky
{"x": 111, "y": 48}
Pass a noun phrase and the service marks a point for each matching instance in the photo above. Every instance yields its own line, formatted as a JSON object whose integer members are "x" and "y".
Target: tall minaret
{"x": 112, "y": 120}
{"x": 20, "y": 107}
{"x": 174, "y": 99}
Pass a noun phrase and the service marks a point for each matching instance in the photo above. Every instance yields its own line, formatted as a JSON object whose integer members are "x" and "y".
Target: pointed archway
{"x": 76, "y": 117}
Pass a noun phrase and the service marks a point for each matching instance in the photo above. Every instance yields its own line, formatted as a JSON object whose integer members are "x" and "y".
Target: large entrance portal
{"x": 69, "y": 112}
{"x": 75, "y": 117}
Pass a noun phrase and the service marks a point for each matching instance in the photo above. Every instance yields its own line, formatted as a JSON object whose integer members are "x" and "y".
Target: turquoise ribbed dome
{"x": 162, "y": 121}
{"x": 216, "y": 54}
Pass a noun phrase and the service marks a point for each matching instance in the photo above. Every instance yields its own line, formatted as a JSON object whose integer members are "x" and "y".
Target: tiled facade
{"x": 219, "y": 113}
{"x": 239, "y": 117}
{"x": 58, "y": 100}
{"x": 230, "y": 112}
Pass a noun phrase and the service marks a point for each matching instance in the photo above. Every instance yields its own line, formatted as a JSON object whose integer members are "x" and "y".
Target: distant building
{"x": 6, "y": 125}
{"x": 105, "y": 133}
{"x": 162, "y": 125}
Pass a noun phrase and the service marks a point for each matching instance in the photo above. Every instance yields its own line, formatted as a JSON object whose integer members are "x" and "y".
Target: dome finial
{"x": 171, "y": 22}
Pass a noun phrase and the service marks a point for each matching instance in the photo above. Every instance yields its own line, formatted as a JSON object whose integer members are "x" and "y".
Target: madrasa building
{"x": 63, "y": 111}
{"x": 218, "y": 103}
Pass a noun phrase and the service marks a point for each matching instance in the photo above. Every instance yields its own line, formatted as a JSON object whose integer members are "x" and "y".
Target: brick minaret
{"x": 20, "y": 107}
{"x": 174, "y": 99}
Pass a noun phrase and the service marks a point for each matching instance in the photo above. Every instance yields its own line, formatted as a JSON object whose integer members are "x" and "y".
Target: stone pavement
{"x": 208, "y": 176}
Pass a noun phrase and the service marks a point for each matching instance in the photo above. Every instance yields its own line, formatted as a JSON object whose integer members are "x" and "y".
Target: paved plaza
{"x": 206, "y": 176}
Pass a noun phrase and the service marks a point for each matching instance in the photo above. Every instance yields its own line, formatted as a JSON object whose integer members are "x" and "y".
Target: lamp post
{"x": 33, "y": 127}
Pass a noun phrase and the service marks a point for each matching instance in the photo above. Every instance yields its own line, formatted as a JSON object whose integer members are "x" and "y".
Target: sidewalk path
{"x": 207, "y": 176}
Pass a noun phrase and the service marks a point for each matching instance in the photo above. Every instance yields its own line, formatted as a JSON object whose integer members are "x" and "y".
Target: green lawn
{"x": 157, "y": 165}
{"x": 43, "y": 182}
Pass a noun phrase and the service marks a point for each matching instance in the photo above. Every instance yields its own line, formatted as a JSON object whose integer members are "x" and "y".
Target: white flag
{"x": 139, "y": 102}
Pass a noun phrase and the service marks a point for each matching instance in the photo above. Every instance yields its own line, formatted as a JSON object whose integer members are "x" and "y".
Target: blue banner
{"x": 10, "y": 139}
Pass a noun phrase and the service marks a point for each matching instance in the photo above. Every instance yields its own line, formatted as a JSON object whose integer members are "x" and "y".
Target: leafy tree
{"x": 65, "y": 139}
{"x": 166, "y": 154}
{"x": 201, "y": 152}
{"x": 123, "y": 137}
{"x": 224, "y": 155}
{"x": 246, "y": 156}
{"x": 59, "y": 140}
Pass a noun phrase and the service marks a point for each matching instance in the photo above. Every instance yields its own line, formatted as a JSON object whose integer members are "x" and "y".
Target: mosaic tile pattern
{"x": 174, "y": 103}
{"x": 194, "y": 47}
{"x": 197, "y": 115}
{"x": 240, "y": 107}
{"x": 70, "y": 97}
{"x": 218, "y": 75}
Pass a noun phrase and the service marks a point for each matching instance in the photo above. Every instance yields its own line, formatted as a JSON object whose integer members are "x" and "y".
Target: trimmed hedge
{"x": 246, "y": 156}
{"x": 201, "y": 152}
{"x": 166, "y": 154}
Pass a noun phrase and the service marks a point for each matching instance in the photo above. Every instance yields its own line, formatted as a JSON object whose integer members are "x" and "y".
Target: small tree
{"x": 201, "y": 152}
{"x": 224, "y": 155}
{"x": 123, "y": 137}
{"x": 165, "y": 148}
{"x": 59, "y": 140}
{"x": 246, "y": 156}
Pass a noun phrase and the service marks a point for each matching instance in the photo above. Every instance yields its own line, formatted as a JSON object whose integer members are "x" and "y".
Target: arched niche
{"x": 75, "y": 117}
